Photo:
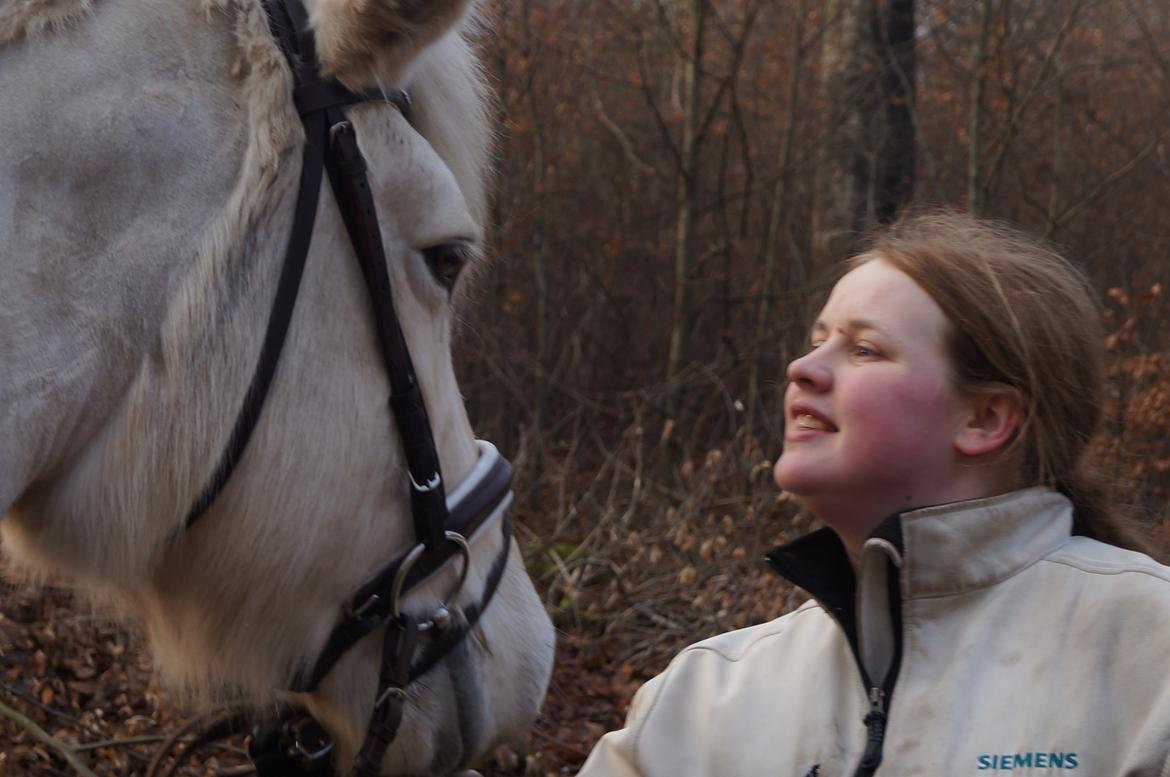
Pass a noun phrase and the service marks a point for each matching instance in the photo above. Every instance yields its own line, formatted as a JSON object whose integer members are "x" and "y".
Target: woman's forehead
{"x": 878, "y": 296}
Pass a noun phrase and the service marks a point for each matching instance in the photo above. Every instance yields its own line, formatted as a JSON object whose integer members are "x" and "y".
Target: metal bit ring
{"x": 407, "y": 563}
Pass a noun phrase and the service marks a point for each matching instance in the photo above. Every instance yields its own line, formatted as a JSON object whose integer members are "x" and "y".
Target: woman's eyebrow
{"x": 851, "y": 325}
{"x": 857, "y": 324}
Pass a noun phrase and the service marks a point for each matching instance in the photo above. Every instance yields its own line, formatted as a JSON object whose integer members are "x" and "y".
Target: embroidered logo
{"x": 1006, "y": 762}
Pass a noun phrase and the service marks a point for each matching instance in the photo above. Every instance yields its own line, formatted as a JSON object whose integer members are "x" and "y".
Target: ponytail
{"x": 1097, "y": 515}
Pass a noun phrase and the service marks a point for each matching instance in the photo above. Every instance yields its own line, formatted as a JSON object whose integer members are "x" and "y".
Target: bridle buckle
{"x": 433, "y": 482}
{"x": 357, "y": 612}
{"x": 392, "y": 692}
{"x": 309, "y": 740}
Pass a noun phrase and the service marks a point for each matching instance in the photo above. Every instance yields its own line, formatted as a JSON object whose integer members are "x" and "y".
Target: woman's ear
{"x": 992, "y": 420}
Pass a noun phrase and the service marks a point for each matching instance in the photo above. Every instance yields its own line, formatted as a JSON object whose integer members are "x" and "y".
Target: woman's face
{"x": 871, "y": 412}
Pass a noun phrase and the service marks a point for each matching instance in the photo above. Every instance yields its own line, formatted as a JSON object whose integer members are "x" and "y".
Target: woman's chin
{"x": 794, "y": 477}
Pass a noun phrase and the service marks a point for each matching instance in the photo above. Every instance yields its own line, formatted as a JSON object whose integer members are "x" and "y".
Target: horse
{"x": 148, "y": 177}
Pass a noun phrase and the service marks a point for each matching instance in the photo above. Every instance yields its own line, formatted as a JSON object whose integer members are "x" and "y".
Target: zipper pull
{"x": 875, "y": 727}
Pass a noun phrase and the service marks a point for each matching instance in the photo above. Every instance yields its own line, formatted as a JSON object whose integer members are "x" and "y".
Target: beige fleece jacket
{"x": 1023, "y": 651}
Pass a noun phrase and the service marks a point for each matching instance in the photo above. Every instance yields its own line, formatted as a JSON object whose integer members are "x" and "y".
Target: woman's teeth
{"x": 806, "y": 421}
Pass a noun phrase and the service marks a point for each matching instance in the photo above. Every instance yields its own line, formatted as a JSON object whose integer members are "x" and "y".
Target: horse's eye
{"x": 446, "y": 260}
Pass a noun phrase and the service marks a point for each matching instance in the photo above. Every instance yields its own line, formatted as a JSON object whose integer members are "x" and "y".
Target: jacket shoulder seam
{"x": 1104, "y": 568}
{"x": 653, "y": 703}
{"x": 738, "y": 656}
{"x": 989, "y": 584}
{"x": 1081, "y": 565}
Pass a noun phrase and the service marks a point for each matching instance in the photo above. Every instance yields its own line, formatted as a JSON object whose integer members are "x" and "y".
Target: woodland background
{"x": 678, "y": 180}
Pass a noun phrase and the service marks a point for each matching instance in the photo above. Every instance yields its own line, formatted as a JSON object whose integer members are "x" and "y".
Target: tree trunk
{"x": 975, "y": 139}
{"x": 539, "y": 271}
{"x": 896, "y": 159}
{"x": 775, "y": 221}
{"x": 843, "y": 179}
{"x": 686, "y": 205}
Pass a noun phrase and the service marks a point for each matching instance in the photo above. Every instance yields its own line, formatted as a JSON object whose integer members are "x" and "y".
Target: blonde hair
{"x": 1021, "y": 315}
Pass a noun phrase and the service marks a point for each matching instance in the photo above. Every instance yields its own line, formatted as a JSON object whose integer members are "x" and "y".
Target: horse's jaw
{"x": 487, "y": 691}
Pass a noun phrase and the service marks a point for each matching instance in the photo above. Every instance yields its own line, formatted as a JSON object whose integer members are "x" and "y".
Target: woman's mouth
{"x": 808, "y": 421}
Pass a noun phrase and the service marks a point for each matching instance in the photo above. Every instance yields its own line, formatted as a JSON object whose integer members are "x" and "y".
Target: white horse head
{"x": 147, "y": 178}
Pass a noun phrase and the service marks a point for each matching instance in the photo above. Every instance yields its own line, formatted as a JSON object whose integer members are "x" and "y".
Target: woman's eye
{"x": 864, "y": 351}
{"x": 446, "y": 260}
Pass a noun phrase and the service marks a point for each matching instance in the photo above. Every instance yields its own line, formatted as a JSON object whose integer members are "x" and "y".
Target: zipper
{"x": 875, "y": 729}
{"x": 880, "y": 689}
{"x": 818, "y": 564}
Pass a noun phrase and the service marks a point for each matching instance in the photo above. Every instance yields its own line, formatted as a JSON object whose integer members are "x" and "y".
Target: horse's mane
{"x": 21, "y": 19}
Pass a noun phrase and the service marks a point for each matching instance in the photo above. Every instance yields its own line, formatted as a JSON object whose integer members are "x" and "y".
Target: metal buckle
{"x": 358, "y": 612}
{"x": 339, "y": 127}
{"x": 392, "y": 691}
{"x": 400, "y": 98}
{"x": 310, "y": 741}
{"x": 432, "y": 483}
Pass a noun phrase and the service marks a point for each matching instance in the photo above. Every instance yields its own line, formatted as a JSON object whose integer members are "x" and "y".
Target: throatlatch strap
{"x": 291, "y": 273}
{"x": 318, "y": 101}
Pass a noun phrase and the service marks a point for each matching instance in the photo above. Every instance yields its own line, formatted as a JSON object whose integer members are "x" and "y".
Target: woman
{"x": 975, "y": 608}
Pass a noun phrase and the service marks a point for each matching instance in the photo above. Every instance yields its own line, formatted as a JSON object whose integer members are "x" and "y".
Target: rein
{"x": 445, "y": 525}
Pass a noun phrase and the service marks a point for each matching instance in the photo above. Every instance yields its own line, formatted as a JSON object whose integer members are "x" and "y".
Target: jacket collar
{"x": 969, "y": 545}
{"x": 945, "y": 549}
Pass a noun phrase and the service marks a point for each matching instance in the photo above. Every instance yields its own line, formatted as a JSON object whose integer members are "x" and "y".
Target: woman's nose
{"x": 810, "y": 372}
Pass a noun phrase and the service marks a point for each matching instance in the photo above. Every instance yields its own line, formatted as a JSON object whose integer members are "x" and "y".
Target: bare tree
{"x": 843, "y": 175}
{"x": 539, "y": 169}
{"x": 776, "y": 218}
{"x": 975, "y": 116}
{"x": 686, "y": 204}
{"x": 896, "y": 158}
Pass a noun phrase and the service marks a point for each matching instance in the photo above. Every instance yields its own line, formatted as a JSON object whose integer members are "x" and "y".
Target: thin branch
{"x": 127, "y": 742}
{"x": 728, "y": 81}
{"x": 49, "y": 710}
{"x": 64, "y": 750}
{"x": 151, "y": 739}
{"x": 621, "y": 137}
{"x": 975, "y": 116}
{"x": 668, "y": 28}
{"x": 648, "y": 94}
{"x": 1014, "y": 119}
{"x": 1151, "y": 44}
{"x": 1098, "y": 188}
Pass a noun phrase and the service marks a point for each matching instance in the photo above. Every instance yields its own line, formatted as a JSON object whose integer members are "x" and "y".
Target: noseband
{"x": 445, "y": 525}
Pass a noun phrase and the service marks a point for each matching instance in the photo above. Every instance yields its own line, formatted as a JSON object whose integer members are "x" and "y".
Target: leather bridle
{"x": 445, "y": 525}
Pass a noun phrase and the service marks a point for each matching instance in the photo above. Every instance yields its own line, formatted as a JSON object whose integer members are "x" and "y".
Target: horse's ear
{"x": 378, "y": 39}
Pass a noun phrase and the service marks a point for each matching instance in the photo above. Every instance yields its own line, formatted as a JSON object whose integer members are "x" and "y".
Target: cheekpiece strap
{"x": 393, "y": 677}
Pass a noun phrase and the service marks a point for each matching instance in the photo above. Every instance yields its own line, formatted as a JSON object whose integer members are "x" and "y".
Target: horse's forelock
{"x": 434, "y": 62}
{"x": 365, "y": 39}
